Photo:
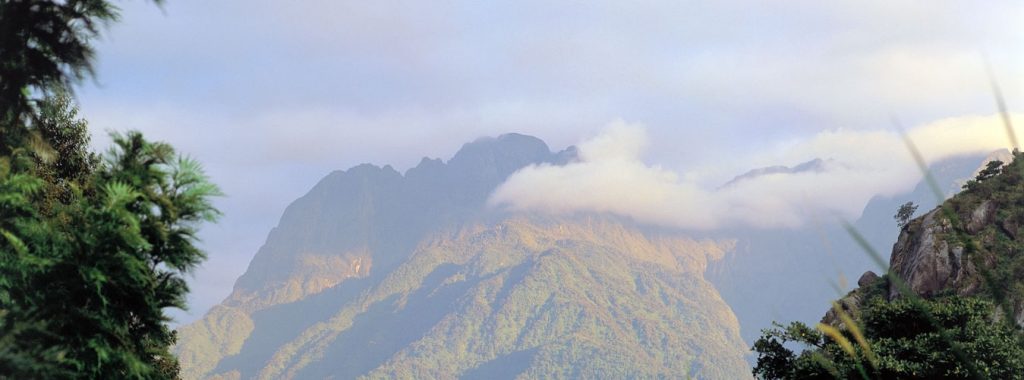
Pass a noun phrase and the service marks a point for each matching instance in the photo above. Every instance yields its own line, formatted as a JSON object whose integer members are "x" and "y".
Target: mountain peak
{"x": 379, "y": 274}
{"x": 511, "y": 147}
{"x": 813, "y": 166}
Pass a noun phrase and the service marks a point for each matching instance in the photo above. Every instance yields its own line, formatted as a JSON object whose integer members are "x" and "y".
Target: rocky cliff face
{"x": 929, "y": 262}
{"x": 377, "y": 274}
{"x": 968, "y": 246}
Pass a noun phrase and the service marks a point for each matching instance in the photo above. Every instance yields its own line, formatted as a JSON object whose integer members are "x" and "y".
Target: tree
{"x": 908, "y": 339}
{"x": 992, "y": 169}
{"x": 904, "y": 213}
{"x": 97, "y": 285}
{"x": 45, "y": 46}
{"x": 91, "y": 251}
{"x": 67, "y": 137}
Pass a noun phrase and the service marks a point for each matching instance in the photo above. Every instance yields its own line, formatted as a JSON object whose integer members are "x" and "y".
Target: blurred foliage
{"x": 907, "y": 344}
{"x": 45, "y": 46}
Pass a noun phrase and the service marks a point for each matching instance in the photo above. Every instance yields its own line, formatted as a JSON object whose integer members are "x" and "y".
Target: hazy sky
{"x": 273, "y": 95}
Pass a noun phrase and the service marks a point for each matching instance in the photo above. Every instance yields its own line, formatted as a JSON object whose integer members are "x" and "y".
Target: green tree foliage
{"x": 904, "y": 213}
{"x": 992, "y": 169}
{"x": 96, "y": 276}
{"x": 67, "y": 137}
{"x": 91, "y": 251}
{"x": 45, "y": 46}
{"x": 907, "y": 343}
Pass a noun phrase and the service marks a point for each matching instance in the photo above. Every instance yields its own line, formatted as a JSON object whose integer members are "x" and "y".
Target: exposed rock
{"x": 867, "y": 278}
{"x": 936, "y": 258}
{"x": 924, "y": 259}
{"x": 849, "y": 305}
{"x": 981, "y": 216}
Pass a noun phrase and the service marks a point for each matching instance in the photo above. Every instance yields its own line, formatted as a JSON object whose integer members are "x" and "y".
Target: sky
{"x": 272, "y": 95}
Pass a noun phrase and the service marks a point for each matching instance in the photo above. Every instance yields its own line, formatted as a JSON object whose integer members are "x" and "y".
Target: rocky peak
{"x": 509, "y": 152}
{"x": 371, "y": 216}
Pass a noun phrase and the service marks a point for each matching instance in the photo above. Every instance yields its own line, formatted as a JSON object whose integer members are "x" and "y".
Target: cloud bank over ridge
{"x": 611, "y": 177}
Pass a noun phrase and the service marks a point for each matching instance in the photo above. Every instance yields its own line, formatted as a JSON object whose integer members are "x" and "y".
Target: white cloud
{"x": 610, "y": 177}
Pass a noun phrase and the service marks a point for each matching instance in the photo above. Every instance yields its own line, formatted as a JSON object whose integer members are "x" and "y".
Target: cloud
{"x": 611, "y": 177}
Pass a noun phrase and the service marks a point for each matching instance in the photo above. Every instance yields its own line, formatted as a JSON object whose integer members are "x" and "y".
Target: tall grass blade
{"x": 933, "y": 185}
{"x": 840, "y": 339}
{"x": 858, "y": 335}
{"x": 1001, "y": 103}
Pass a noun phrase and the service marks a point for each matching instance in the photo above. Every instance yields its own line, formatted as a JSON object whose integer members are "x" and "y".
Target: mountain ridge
{"x": 353, "y": 261}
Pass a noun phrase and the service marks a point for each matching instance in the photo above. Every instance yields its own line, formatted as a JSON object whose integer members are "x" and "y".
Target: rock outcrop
{"x": 968, "y": 246}
{"x": 926, "y": 260}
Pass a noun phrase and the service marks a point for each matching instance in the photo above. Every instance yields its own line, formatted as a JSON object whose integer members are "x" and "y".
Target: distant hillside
{"x": 377, "y": 274}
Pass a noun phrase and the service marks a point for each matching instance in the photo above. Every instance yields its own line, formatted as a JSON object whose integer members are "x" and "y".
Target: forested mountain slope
{"x": 379, "y": 274}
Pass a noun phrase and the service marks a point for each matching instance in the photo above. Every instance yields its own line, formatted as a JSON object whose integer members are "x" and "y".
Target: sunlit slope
{"x": 378, "y": 274}
{"x": 518, "y": 297}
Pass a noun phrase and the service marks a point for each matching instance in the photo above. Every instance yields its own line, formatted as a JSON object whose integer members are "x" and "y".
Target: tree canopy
{"x": 93, "y": 248}
{"x": 45, "y": 46}
{"x": 901, "y": 340}
{"x": 904, "y": 213}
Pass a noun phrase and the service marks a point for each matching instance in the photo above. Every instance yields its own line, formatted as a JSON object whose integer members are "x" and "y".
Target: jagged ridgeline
{"x": 377, "y": 274}
{"x": 951, "y": 306}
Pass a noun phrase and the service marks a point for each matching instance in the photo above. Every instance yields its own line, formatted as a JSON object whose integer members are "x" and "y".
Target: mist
{"x": 611, "y": 176}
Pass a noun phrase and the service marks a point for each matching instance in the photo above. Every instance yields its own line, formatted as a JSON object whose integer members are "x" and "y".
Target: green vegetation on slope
{"x": 519, "y": 298}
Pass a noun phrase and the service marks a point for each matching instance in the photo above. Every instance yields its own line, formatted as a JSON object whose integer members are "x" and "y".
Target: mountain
{"x": 379, "y": 274}
{"x": 815, "y": 165}
{"x": 790, "y": 274}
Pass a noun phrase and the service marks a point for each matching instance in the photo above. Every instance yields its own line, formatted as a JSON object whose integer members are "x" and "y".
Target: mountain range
{"x": 380, "y": 274}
